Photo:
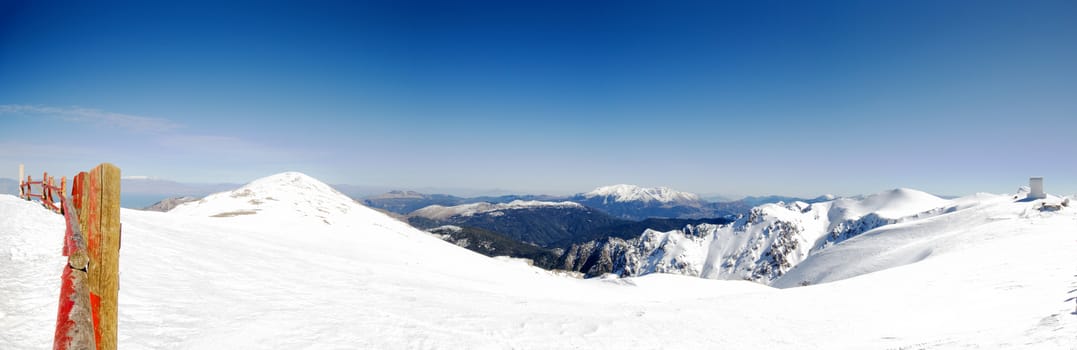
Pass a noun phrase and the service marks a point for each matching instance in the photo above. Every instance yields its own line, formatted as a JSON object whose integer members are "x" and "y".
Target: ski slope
{"x": 311, "y": 269}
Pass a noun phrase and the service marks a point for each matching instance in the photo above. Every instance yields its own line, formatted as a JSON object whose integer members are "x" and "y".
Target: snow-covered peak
{"x": 438, "y": 212}
{"x": 836, "y": 215}
{"x": 284, "y": 196}
{"x": 633, "y": 193}
{"x": 290, "y": 180}
{"x": 769, "y": 241}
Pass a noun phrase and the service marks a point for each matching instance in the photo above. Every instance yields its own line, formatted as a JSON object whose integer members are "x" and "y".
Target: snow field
{"x": 318, "y": 271}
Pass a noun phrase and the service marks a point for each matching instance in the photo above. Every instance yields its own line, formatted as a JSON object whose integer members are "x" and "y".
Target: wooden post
{"x": 64, "y": 198}
{"x": 110, "y": 231}
{"x": 86, "y": 224}
{"x": 46, "y": 195}
{"x": 99, "y": 213}
{"x": 22, "y": 176}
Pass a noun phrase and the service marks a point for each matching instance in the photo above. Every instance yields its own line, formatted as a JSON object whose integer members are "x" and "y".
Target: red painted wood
{"x": 91, "y": 208}
{"x": 63, "y": 317}
{"x": 76, "y": 191}
{"x": 95, "y": 307}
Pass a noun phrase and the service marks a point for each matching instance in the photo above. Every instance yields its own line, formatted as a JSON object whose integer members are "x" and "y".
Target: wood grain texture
{"x": 88, "y": 220}
{"x": 105, "y": 276}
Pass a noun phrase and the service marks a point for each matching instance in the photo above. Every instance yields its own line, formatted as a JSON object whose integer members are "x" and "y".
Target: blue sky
{"x": 734, "y": 98}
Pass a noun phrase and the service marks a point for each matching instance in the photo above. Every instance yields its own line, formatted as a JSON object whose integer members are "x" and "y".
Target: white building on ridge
{"x": 1036, "y": 185}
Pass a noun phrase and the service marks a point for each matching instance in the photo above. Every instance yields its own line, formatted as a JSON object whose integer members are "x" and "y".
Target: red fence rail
{"x": 86, "y": 319}
{"x": 51, "y": 196}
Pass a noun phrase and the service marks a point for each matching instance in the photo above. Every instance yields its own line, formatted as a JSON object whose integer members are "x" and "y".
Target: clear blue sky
{"x": 736, "y": 98}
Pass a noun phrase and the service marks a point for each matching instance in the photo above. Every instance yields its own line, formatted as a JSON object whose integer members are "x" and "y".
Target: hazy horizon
{"x": 148, "y": 195}
{"x": 549, "y": 97}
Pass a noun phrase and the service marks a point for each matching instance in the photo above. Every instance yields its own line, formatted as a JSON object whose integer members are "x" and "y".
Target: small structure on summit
{"x": 1035, "y": 185}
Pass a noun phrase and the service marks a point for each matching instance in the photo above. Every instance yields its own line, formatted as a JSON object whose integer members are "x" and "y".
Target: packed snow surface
{"x": 1004, "y": 277}
{"x": 632, "y": 193}
{"x": 438, "y": 212}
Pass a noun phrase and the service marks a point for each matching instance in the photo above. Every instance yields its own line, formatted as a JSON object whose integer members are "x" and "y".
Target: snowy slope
{"x": 30, "y": 266}
{"x": 291, "y": 281}
{"x": 963, "y": 223}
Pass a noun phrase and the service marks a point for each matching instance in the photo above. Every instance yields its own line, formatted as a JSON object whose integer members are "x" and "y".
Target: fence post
{"x": 22, "y": 174}
{"x": 100, "y": 213}
{"x": 46, "y": 193}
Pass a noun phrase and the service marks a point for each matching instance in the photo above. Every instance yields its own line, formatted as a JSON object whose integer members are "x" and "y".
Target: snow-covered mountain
{"x": 638, "y": 203}
{"x": 532, "y": 222}
{"x": 633, "y": 193}
{"x": 977, "y": 272}
{"x": 623, "y": 201}
{"x": 290, "y": 195}
{"x": 760, "y": 246}
{"x": 170, "y": 203}
{"x": 547, "y": 224}
{"x": 405, "y": 202}
{"x": 955, "y": 225}
{"x": 438, "y": 212}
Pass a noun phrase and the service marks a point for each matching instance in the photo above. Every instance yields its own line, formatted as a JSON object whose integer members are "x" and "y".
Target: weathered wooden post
{"x": 99, "y": 214}
{"x": 29, "y": 189}
{"x": 63, "y": 197}
{"x": 46, "y": 194}
{"x": 22, "y": 176}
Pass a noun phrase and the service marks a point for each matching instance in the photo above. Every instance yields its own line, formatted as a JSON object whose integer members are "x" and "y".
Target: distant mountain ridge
{"x": 637, "y": 203}
{"x": 9, "y": 186}
{"x": 169, "y": 203}
{"x": 540, "y": 223}
{"x": 547, "y": 224}
{"x": 438, "y": 212}
{"x": 633, "y": 193}
{"x": 622, "y": 201}
{"x": 405, "y": 202}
